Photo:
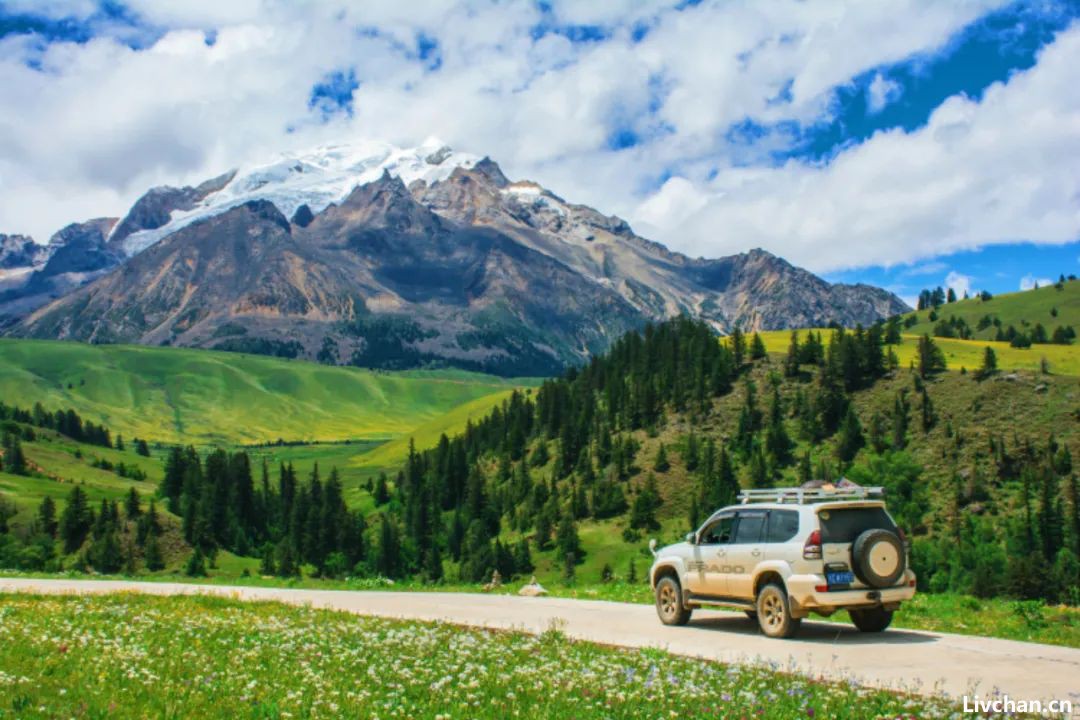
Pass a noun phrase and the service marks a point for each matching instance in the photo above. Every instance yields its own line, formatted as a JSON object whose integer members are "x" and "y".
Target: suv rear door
{"x": 745, "y": 552}
{"x": 841, "y": 525}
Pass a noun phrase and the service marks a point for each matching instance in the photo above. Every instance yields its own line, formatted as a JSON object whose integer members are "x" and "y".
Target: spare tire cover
{"x": 878, "y": 558}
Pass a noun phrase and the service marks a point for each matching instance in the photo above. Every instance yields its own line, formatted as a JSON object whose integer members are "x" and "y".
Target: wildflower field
{"x": 126, "y": 655}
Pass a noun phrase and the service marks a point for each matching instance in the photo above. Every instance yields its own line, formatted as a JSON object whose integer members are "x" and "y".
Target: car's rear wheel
{"x": 871, "y": 619}
{"x": 774, "y": 612}
{"x": 669, "y": 604}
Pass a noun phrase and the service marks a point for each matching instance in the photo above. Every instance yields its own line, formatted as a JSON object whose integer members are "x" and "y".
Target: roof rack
{"x": 805, "y": 496}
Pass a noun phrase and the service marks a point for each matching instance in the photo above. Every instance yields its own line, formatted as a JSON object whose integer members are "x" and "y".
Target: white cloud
{"x": 99, "y": 123}
{"x": 1030, "y": 282}
{"x": 960, "y": 283}
{"x": 881, "y": 92}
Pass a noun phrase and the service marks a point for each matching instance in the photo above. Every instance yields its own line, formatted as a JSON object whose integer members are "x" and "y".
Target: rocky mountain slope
{"x": 390, "y": 258}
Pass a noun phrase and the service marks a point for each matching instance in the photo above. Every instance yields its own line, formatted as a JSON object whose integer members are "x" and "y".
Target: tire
{"x": 774, "y": 612}
{"x": 871, "y": 620}
{"x": 878, "y": 558}
{"x": 669, "y": 605}
{"x": 751, "y": 614}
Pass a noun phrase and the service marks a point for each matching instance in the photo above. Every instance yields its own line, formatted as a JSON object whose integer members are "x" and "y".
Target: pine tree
{"x": 777, "y": 441}
{"x": 926, "y": 412}
{"x": 851, "y": 437}
{"x": 757, "y": 348}
{"x": 523, "y": 558}
{"x": 878, "y": 442}
{"x": 154, "y": 560}
{"x": 132, "y": 505}
{"x": 691, "y": 457}
{"x": 930, "y": 358}
{"x": 196, "y": 564}
{"x": 382, "y": 490}
{"x": 901, "y": 407}
{"x": 631, "y": 573}
{"x": 567, "y": 542}
{"x": 142, "y": 448}
{"x": 46, "y": 517}
{"x": 793, "y": 357}
{"x": 76, "y": 520}
{"x": 989, "y": 364}
{"x": 647, "y": 502}
{"x": 738, "y": 347}
{"x": 14, "y": 461}
{"x": 661, "y": 464}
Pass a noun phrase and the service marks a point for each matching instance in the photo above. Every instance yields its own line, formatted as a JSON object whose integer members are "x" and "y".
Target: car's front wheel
{"x": 871, "y": 619}
{"x": 669, "y": 605}
{"x": 774, "y": 612}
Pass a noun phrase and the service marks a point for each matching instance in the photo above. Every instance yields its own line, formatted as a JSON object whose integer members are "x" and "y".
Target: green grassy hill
{"x": 196, "y": 396}
{"x": 1020, "y": 309}
{"x": 966, "y": 354}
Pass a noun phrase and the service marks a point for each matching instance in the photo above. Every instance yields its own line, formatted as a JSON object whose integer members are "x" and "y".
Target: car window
{"x": 719, "y": 532}
{"x": 783, "y": 525}
{"x": 843, "y": 525}
{"x": 749, "y": 528}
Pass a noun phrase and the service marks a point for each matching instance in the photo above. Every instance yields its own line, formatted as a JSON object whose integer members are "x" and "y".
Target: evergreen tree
{"x": 132, "y": 505}
{"x": 76, "y": 520}
{"x": 46, "y": 517}
{"x": 661, "y": 464}
{"x": 794, "y": 354}
{"x": 901, "y": 408}
{"x": 878, "y": 441}
{"x": 141, "y": 448}
{"x": 757, "y": 348}
{"x": 989, "y": 364}
{"x": 930, "y": 358}
{"x": 647, "y": 502}
{"x": 382, "y": 491}
{"x": 196, "y": 564}
{"x": 523, "y": 558}
{"x": 760, "y": 472}
{"x": 567, "y": 542}
{"x": 926, "y": 412}
{"x": 851, "y": 437}
{"x": 691, "y": 456}
{"x": 14, "y": 461}
{"x": 153, "y": 558}
{"x": 738, "y": 347}
{"x": 777, "y": 441}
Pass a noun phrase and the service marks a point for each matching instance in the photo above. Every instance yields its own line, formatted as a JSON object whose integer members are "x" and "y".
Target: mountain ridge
{"x": 436, "y": 258}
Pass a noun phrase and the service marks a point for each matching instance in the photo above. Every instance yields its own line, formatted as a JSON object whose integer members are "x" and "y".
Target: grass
{"x": 1019, "y": 309}
{"x": 1062, "y": 359}
{"x": 137, "y": 656}
{"x": 60, "y": 462}
{"x": 390, "y": 456}
{"x": 203, "y": 397}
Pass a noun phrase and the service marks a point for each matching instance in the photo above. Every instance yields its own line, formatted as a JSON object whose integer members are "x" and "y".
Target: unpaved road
{"x": 904, "y": 659}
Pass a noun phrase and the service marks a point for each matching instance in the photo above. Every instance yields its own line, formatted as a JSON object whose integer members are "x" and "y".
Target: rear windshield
{"x": 843, "y": 525}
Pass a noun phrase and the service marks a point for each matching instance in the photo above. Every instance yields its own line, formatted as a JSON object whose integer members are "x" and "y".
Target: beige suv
{"x": 785, "y": 553}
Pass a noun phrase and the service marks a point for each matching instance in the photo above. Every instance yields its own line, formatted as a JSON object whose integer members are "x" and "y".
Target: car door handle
{"x": 755, "y": 553}
{"x": 721, "y": 553}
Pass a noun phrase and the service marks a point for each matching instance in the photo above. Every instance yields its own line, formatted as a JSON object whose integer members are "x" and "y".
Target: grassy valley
{"x": 174, "y": 395}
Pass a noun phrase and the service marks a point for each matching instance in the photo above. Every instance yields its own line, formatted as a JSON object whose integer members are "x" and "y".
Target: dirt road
{"x": 922, "y": 662}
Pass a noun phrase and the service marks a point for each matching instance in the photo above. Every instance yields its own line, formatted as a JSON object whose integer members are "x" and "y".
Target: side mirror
{"x": 691, "y": 537}
{"x": 652, "y": 546}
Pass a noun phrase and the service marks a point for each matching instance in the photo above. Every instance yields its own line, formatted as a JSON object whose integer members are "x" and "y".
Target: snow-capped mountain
{"x": 374, "y": 255}
{"x": 314, "y": 178}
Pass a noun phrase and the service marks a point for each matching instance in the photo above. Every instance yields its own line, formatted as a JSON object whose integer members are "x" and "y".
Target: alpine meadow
{"x": 539, "y": 359}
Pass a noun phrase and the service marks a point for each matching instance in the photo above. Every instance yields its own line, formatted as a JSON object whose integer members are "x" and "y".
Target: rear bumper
{"x": 806, "y": 596}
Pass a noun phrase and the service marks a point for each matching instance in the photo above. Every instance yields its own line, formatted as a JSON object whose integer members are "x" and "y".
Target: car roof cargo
{"x": 806, "y": 496}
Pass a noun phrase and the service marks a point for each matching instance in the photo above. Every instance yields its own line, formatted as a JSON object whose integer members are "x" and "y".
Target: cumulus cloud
{"x": 86, "y": 128}
{"x": 881, "y": 92}
{"x": 959, "y": 283}
{"x": 1030, "y": 282}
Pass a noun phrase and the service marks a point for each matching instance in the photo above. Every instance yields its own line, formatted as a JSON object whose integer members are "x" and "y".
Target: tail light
{"x": 812, "y": 549}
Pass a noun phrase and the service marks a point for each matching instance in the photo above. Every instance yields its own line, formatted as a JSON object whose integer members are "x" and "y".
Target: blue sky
{"x": 899, "y": 143}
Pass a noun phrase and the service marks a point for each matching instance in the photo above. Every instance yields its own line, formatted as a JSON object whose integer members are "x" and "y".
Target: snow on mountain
{"x": 315, "y": 178}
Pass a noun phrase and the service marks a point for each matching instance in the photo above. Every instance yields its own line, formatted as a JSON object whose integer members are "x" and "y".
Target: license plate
{"x": 840, "y": 578}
